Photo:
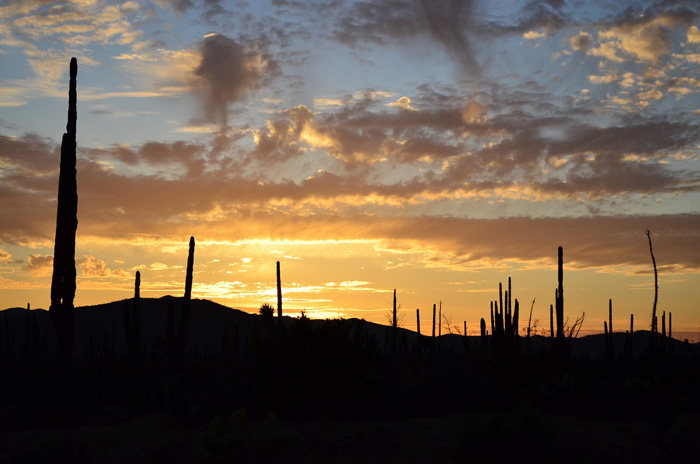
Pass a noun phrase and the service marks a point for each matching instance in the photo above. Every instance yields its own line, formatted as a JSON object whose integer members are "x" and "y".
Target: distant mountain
{"x": 101, "y": 327}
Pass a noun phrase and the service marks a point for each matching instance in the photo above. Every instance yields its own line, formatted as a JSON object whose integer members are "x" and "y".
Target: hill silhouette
{"x": 96, "y": 325}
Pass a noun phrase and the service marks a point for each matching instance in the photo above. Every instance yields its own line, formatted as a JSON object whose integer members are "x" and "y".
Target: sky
{"x": 433, "y": 147}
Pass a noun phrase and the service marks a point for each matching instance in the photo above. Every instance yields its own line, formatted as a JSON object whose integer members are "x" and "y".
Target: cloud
{"x": 646, "y": 38}
{"x": 78, "y": 24}
{"x": 39, "y": 265}
{"x": 6, "y": 257}
{"x": 582, "y": 42}
{"x": 94, "y": 267}
{"x": 534, "y": 35}
{"x": 403, "y": 103}
{"x": 396, "y": 21}
{"x": 448, "y": 22}
{"x": 227, "y": 71}
{"x": 693, "y": 34}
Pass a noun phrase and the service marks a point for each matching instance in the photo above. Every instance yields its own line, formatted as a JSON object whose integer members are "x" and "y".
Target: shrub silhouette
{"x": 266, "y": 311}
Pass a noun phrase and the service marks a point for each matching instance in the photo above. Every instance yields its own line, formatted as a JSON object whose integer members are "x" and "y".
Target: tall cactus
{"x": 63, "y": 278}
{"x": 184, "y": 321}
{"x": 178, "y": 341}
{"x": 132, "y": 323}
{"x": 654, "y": 327}
{"x": 610, "y": 329}
{"x": 631, "y": 334}
{"x": 434, "y": 310}
{"x": 483, "y": 334}
{"x": 279, "y": 292}
{"x": 663, "y": 323}
{"x": 670, "y": 334}
{"x": 560, "y": 294}
{"x": 551, "y": 321}
{"x": 418, "y": 321}
{"x": 500, "y": 305}
{"x": 394, "y": 322}
{"x": 663, "y": 331}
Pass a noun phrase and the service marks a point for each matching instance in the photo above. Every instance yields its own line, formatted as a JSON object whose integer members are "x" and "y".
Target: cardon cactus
{"x": 132, "y": 323}
{"x": 560, "y": 294}
{"x": 279, "y": 292}
{"x": 177, "y": 341}
{"x": 63, "y": 278}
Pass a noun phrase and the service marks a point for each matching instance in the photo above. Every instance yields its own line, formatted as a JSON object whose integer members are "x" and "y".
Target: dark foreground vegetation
{"x": 257, "y": 388}
{"x": 179, "y": 380}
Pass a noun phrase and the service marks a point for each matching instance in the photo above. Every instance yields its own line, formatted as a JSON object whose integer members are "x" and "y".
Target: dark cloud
{"x": 398, "y": 21}
{"x": 178, "y": 6}
{"x": 228, "y": 70}
{"x": 449, "y": 22}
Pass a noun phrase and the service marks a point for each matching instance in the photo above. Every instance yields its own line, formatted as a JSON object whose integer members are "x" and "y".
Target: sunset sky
{"x": 435, "y": 147}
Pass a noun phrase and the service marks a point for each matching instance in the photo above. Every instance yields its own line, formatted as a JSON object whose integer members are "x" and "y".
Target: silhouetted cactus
{"x": 663, "y": 331}
{"x": 132, "y": 323}
{"x": 499, "y": 315}
{"x": 177, "y": 341}
{"x": 63, "y": 278}
{"x": 506, "y": 319}
{"x": 631, "y": 343}
{"x": 551, "y": 321}
{"x": 654, "y": 327}
{"x": 394, "y": 322}
{"x": 418, "y": 321}
{"x": 483, "y": 334}
{"x": 611, "y": 342}
{"x": 434, "y": 311}
{"x": 670, "y": 334}
{"x": 185, "y": 319}
{"x": 279, "y": 293}
{"x": 663, "y": 323}
{"x": 560, "y": 294}
{"x": 28, "y": 335}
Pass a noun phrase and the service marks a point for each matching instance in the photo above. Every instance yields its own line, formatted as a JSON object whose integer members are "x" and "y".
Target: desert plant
{"x": 184, "y": 320}
{"x": 279, "y": 292}
{"x": 63, "y": 278}
{"x": 482, "y": 325}
{"x": 132, "y": 323}
{"x": 177, "y": 340}
{"x": 560, "y": 294}
{"x": 266, "y": 311}
{"x": 654, "y": 327}
{"x": 529, "y": 320}
{"x": 610, "y": 340}
{"x": 551, "y": 321}
{"x": 418, "y": 322}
